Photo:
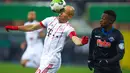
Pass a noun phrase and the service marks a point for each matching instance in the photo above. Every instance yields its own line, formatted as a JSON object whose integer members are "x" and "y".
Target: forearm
{"x": 118, "y": 57}
{"x": 23, "y": 28}
{"x": 77, "y": 40}
{"x": 26, "y": 28}
{"x": 90, "y": 57}
{"x": 91, "y": 47}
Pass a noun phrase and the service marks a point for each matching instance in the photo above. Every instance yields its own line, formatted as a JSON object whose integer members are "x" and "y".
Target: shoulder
{"x": 51, "y": 18}
{"x": 69, "y": 26}
{"x": 117, "y": 32}
{"x": 26, "y": 23}
{"x": 35, "y": 21}
{"x": 98, "y": 29}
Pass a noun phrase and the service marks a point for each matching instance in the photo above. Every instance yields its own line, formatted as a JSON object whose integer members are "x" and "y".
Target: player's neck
{"x": 108, "y": 28}
{"x": 30, "y": 20}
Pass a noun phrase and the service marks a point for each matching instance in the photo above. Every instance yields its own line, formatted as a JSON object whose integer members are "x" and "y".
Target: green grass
{"x": 16, "y": 68}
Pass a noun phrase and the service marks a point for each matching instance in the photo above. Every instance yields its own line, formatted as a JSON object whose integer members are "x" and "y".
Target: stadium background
{"x": 74, "y": 58}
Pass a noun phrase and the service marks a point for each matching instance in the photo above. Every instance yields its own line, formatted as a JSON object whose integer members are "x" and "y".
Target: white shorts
{"x": 49, "y": 65}
{"x": 33, "y": 52}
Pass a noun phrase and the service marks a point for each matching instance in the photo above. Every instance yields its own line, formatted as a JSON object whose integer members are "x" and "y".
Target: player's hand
{"x": 9, "y": 27}
{"x": 23, "y": 45}
{"x": 90, "y": 64}
{"x": 103, "y": 62}
{"x": 84, "y": 40}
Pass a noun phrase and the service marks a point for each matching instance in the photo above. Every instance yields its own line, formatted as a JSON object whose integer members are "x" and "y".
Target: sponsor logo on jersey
{"x": 97, "y": 36}
{"x": 103, "y": 43}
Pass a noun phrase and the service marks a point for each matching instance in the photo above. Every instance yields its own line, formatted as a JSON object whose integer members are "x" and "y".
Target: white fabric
{"x": 54, "y": 42}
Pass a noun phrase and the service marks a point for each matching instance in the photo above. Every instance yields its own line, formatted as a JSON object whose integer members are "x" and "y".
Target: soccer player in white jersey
{"x": 32, "y": 54}
{"x": 58, "y": 28}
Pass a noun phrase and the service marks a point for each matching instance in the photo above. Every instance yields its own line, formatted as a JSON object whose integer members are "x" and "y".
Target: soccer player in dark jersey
{"x": 106, "y": 47}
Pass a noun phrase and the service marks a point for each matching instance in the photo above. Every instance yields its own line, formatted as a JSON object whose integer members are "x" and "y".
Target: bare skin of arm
{"x": 77, "y": 40}
{"x": 29, "y": 27}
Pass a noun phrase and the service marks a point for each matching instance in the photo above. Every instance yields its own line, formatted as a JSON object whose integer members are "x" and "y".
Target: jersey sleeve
{"x": 120, "y": 46}
{"x": 44, "y": 23}
{"x": 120, "y": 49}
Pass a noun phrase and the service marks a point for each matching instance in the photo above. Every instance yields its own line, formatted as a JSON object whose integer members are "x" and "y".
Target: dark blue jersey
{"x": 106, "y": 45}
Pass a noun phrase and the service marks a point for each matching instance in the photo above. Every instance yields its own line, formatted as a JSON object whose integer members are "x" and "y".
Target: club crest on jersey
{"x": 103, "y": 43}
{"x": 111, "y": 39}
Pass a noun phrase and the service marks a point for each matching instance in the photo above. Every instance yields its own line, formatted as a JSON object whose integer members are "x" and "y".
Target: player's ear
{"x": 70, "y": 16}
{"x": 111, "y": 21}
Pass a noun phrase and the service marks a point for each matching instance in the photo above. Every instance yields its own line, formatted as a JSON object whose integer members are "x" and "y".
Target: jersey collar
{"x": 108, "y": 32}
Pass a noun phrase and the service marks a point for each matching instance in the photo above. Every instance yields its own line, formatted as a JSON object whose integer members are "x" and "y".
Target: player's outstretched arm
{"x": 24, "y": 28}
{"x": 78, "y": 41}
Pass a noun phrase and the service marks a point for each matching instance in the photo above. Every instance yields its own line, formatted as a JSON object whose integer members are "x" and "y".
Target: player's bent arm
{"x": 120, "y": 50}
{"x": 78, "y": 41}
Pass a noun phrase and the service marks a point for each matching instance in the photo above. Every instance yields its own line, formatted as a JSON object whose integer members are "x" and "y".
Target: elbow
{"x": 78, "y": 44}
{"x": 27, "y": 30}
{"x": 122, "y": 54}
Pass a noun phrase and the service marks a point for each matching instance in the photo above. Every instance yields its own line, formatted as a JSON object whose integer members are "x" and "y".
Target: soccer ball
{"x": 57, "y": 6}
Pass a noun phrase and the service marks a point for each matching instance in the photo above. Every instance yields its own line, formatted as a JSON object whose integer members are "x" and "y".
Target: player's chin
{"x": 102, "y": 26}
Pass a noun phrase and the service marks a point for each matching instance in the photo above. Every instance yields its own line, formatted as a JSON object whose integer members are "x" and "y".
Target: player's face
{"x": 64, "y": 17}
{"x": 31, "y": 16}
{"x": 105, "y": 20}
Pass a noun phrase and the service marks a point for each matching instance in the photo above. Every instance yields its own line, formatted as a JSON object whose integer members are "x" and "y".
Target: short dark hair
{"x": 111, "y": 13}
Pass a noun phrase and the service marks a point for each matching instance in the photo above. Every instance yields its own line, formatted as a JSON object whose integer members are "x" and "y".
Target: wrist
{"x": 15, "y": 28}
{"x": 12, "y": 27}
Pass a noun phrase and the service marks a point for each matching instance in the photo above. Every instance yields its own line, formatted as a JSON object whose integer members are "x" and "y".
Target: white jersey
{"x": 32, "y": 36}
{"x": 55, "y": 38}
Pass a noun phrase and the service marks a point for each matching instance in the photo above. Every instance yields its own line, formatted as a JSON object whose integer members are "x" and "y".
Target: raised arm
{"x": 44, "y": 23}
